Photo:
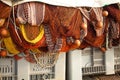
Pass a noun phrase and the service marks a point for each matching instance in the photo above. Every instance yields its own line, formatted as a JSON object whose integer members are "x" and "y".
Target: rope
{"x": 98, "y": 14}
{"x": 118, "y": 5}
{"x": 85, "y": 13}
{"x": 49, "y": 56}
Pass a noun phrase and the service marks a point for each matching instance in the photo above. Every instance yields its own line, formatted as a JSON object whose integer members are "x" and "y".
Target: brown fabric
{"x": 63, "y": 21}
{"x": 95, "y": 17}
{"x": 96, "y": 14}
{"x": 4, "y": 10}
{"x": 114, "y": 33}
{"x": 31, "y": 31}
{"x": 113, "y": 12}
{"x": 114, "y": 20}
{"x": 91, "y": 39}
{"x": 114, "y": 29}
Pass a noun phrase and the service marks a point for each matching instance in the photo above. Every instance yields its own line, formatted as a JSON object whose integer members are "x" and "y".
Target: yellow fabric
{"x": 10, "y": 45}
{"x": 38, "y": 38}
